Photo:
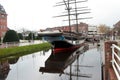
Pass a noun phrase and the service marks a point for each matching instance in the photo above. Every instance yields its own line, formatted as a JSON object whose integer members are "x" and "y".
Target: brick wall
{"x": 3, "y": 24}
{"x": 108, "y": 70}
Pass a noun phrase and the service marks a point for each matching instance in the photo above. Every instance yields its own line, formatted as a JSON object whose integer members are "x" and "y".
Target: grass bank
{"x": 23, "y": 50}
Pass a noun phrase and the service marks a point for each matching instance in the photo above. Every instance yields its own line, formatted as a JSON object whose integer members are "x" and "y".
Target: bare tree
{"x": 102, "y": 28}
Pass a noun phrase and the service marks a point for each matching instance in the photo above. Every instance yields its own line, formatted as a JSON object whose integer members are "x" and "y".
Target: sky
{"x": 38, "y": 14}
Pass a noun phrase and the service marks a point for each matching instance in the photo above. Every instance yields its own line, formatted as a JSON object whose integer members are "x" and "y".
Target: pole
{"x": 70, "y": 35}
{"x": 68, "y": 8}
{"x": 76, "y": 17}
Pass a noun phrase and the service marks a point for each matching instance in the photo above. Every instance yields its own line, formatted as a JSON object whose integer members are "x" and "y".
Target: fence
{"x": 116, "y": 60}
{"x": 13, "y": 44}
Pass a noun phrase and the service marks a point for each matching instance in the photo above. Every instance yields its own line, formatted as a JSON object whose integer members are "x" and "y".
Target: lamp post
{"x": 113, "y": 35}
{"x": 31, "y": 36}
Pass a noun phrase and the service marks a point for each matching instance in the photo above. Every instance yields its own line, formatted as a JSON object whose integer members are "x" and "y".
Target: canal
{"x": 86, "y": 67}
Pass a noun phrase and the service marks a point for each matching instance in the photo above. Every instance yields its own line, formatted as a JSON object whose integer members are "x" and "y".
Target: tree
{"x": 11, "y": 36}
{"x": 20, "y": 36}
{"x": 38, "y": 37}
{"x": 31, "y": 36}
{"x": 103, "y": 29}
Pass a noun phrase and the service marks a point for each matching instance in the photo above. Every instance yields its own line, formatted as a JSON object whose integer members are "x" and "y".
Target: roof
{"x": 2, "y": 10}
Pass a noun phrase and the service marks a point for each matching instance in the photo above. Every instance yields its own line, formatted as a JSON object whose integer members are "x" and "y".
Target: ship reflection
{"x": 62, "y": 56}
{"x": 57, "y": 62}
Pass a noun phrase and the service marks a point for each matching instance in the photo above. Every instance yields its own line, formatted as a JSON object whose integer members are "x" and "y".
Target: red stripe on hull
{"x": 59, "y": 50}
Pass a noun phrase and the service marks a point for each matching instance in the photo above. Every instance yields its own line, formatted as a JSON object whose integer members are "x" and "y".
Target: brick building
{"x": 116, "y": 29}
{"x": 82, "y": 28}
{"x": 117, "y": 24}
{"x": 3, "y": 21}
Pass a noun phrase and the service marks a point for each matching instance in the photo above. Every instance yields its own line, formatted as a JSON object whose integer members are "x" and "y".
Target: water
{"x": 86, "y": 67}
{"x": 27, "y": 68}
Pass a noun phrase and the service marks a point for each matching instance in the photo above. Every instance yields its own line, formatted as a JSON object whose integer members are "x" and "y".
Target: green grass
{"x": 23, "y": 50}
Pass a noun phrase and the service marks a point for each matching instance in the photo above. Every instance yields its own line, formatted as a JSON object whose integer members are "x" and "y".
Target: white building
{"x": 92, "y": 30}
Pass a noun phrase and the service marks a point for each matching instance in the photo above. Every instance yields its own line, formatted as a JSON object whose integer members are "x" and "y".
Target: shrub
{"x": 11, "y": 36}
{"x": 31, "y": 36}
{"x": 20, "y": 36}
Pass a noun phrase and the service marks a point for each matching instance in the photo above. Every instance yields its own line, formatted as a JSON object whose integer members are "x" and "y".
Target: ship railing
{"x": 116, "y": 60}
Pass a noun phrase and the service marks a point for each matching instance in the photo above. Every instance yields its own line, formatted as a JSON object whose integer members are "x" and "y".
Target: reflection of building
{"x": 3, "y": 21}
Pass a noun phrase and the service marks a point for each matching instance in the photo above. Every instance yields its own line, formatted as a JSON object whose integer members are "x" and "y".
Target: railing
{"x": 116, "y": 60}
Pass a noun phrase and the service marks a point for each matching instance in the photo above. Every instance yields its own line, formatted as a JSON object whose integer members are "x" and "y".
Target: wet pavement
{"x": 86, "y": 67}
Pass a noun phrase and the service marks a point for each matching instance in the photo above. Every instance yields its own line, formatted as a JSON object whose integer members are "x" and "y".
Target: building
{"x": 82, "y": 28}
{"x": 116, "y": 30}
{"x": 3, "y": 21}
{"x": 117, "y": 24}
{"x": 92, "y": 30}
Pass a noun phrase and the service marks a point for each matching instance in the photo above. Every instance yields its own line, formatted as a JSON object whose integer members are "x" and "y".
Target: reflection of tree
{"x": 13, "y": 60}
{"x": 4, "y": 69}
{"x": 5, "y": 66}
